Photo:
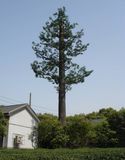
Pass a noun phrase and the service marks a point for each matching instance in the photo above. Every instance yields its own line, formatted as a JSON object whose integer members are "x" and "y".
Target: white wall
{"x": 21, "y": 124}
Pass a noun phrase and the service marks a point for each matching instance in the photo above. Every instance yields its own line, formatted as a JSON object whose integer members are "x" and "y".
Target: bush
{"x": 105, "y": 137}
{"x": 117, "y": 123}
{"x": 105, "y": 128}
{"x": 63, "y": 154}
{"x": 51, "y": 133}
{"x": 77, "y": 128}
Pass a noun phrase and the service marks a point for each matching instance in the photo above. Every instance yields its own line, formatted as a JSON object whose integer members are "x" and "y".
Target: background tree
{"x": 3, "y": 124}
{"x": 97, "y": 129}
{"x": 117, "y": 123}
{"x": 3, "y": 127}
{"x": 106, "y": 112}
{"x": 57, "y": 47}
{"x": 105, "y": 136}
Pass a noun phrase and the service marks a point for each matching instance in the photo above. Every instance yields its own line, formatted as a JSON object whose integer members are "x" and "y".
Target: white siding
{"x": 21, "y": 123}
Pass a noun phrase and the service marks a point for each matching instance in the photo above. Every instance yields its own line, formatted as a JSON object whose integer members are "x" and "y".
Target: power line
{"x": 10, "y": 99}
{"x": 37, "y": 108}
{"x": 6, "y": 101}
{"x": 43, "y": 108}
{"x": 13, "y": 101}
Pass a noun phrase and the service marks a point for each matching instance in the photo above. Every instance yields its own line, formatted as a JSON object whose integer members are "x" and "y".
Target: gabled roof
{"x": 13, "y": 109}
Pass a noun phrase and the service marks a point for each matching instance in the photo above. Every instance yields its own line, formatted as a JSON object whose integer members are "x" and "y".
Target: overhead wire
{"x": 13, "y": 102}
{"x": 10, "y": 99}
{"x": 5, "y": 101}
{"x": 37, "y": 108}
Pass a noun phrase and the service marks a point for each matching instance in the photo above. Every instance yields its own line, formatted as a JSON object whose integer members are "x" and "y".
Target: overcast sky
{"x": 103, "y": 22}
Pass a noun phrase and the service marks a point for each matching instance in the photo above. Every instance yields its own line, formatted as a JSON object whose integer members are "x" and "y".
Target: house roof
{"x": 13, "y": 109}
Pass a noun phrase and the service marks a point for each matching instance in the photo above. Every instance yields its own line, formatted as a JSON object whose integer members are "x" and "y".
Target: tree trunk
{"x": 62, "y": 105}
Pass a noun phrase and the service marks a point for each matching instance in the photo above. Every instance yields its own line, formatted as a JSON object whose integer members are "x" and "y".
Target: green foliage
{"x": 103, "y": 113}
{"x": 64, "y": 154}
{"x": 93, "y": 115}
{"x": 106, "y": 112}
{"x": 58, "y": 37}
{"x": 117, "y": 123}
{"x": 51, "y": 133}
{"x": 105, "y": 128}
{"x": 105, "y": 137}
{"x": 34, "y": 137}
{"x": 3, "y": 124}
{"x": 77, "y": 132}
{"x": 46, "y": 116}
{"x": 77, "y": 128}
{"x": 58, "y": 45}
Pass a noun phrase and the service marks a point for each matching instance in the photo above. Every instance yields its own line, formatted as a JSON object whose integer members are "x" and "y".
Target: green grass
{"x": 64, "y": 154}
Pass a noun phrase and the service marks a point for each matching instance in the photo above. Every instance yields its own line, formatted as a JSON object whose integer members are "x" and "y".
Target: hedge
{"x": 64, "y": 154}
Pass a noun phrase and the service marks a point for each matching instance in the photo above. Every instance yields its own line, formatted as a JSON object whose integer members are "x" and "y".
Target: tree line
{"x": 105, "y": 128}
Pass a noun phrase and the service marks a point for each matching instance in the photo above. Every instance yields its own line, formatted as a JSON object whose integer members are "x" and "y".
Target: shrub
{"x": 64, "y": 154}
{"x": 77, "y": 128}
{"x": 105, "y": 137}
{"x": 51, "y": 133}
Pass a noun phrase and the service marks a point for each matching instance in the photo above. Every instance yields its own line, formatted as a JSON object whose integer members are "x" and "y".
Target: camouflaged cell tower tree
{"x": 57, "y": 47}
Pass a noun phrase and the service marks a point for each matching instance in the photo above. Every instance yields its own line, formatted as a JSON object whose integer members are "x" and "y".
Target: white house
{"x": 21, "y": 122}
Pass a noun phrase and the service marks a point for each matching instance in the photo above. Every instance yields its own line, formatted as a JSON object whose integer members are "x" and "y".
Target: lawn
{"x": 63, "y": 154}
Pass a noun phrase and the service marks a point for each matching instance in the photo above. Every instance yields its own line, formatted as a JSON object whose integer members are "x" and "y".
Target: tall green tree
{"x": 57, "y": 47}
